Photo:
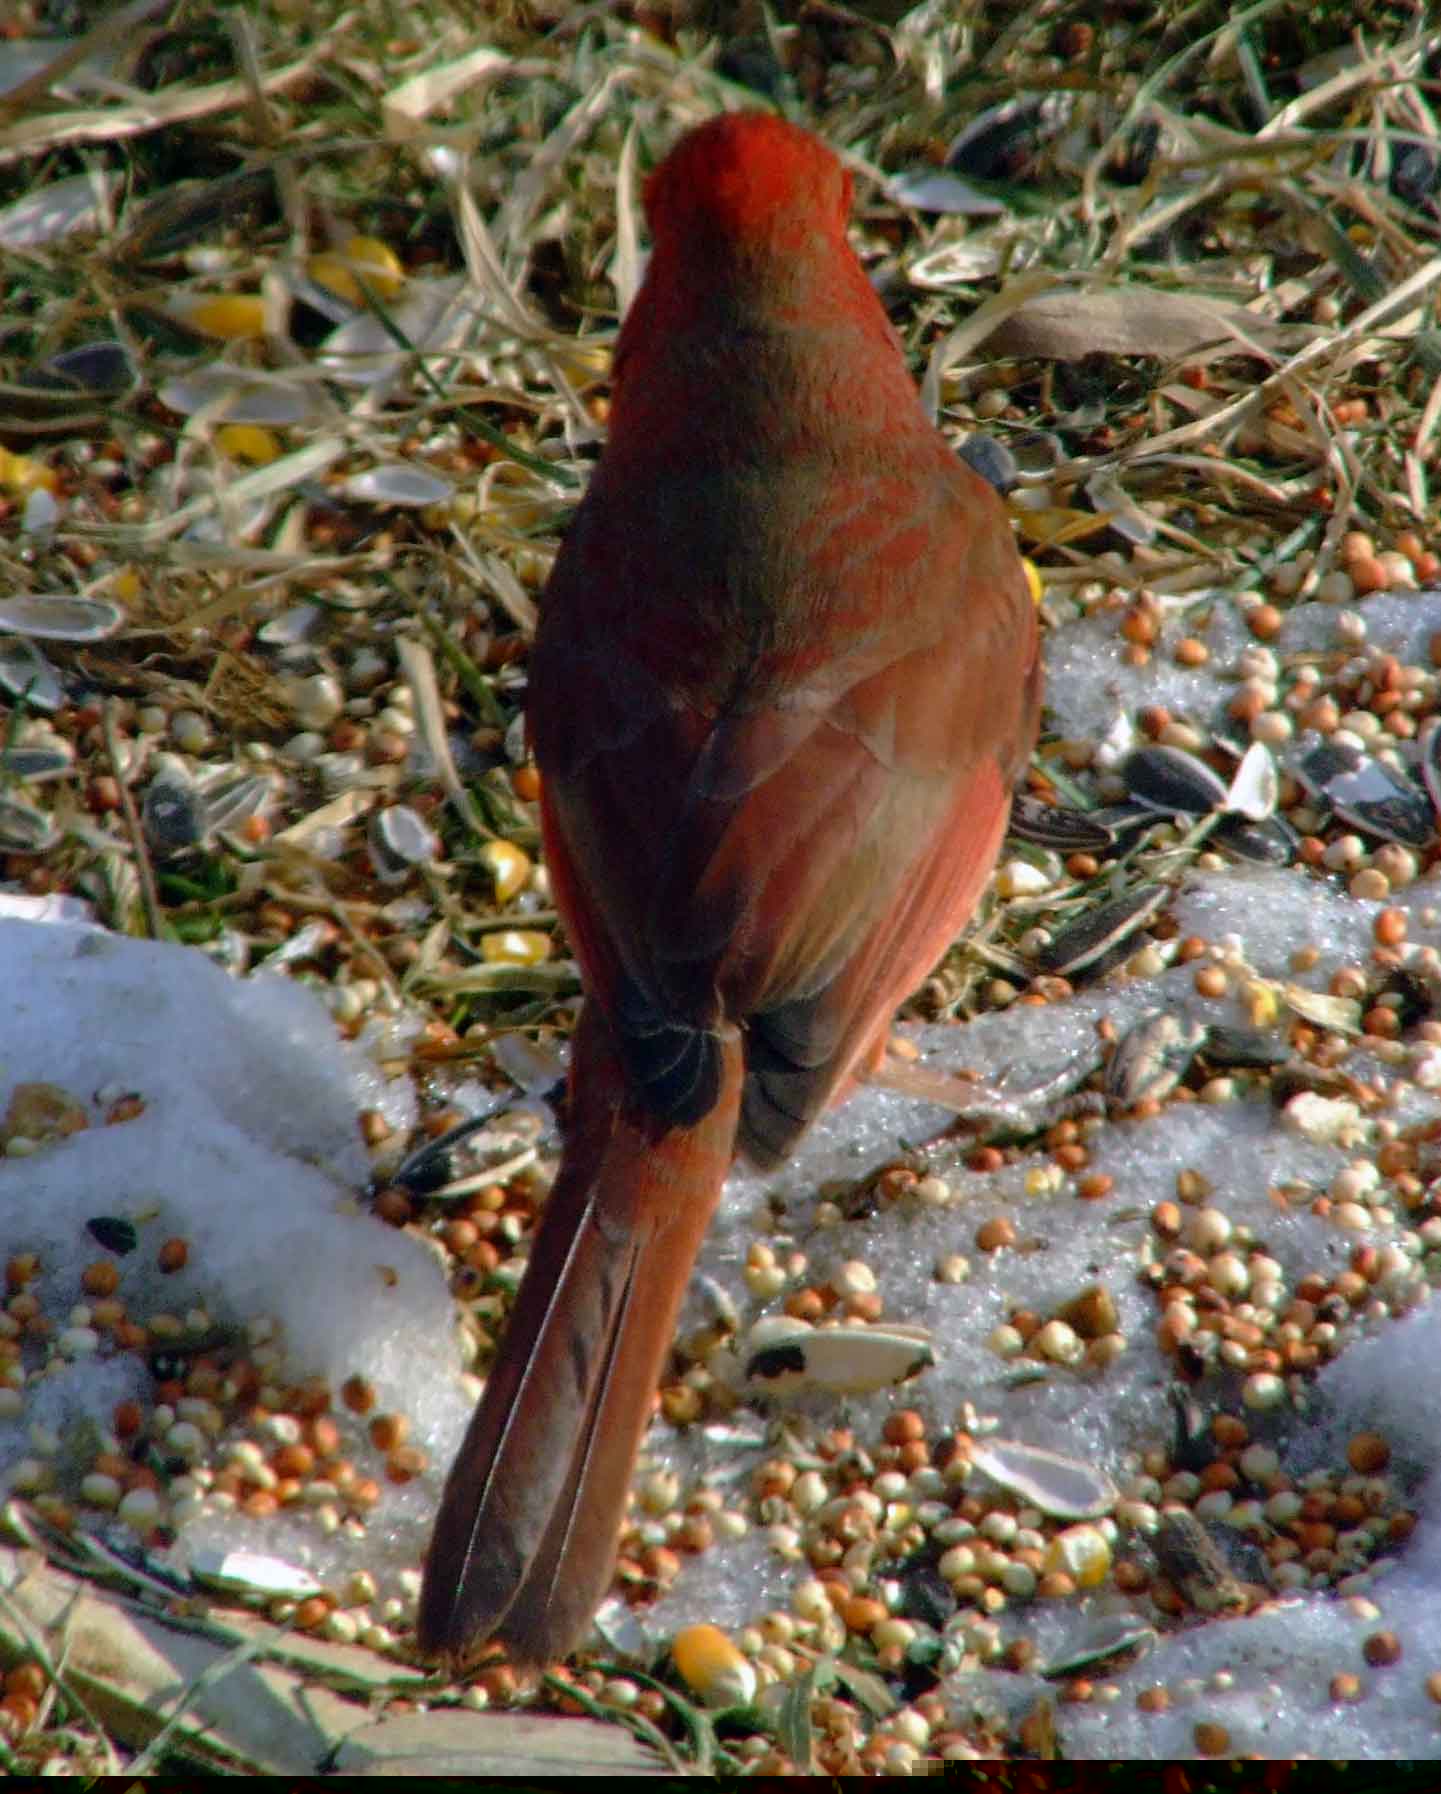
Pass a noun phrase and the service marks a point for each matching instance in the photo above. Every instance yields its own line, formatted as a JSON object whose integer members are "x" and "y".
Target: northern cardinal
{"x": 785, "y": 676}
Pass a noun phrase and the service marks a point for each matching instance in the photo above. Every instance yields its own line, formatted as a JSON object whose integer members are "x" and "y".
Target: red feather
{"x": 786, "y": 675}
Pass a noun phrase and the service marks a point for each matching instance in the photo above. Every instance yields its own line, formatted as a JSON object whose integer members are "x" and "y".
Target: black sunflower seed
{"x": 1083, "y": 943}
{"x": 1171, "y": 780}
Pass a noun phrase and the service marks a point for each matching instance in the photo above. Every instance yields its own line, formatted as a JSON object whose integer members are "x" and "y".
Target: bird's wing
{"x": 797, "y": 856}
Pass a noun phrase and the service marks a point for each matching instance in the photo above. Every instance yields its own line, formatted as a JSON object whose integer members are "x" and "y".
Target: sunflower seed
{"x": 938, "y": 190}
{"x": 1341, "y": 1014}
{"x": 114, "y": 1233}
{"x": 102, "y": 366}
{"x": 1151, "y": 1058}
{"x": 36, "y": 763}
{"x": 1086, "y": 940}
{"x": 1124, "y": 517}
{"x": 1244, "y": 1048}
{"x": 1255, "y": 784}
{"x": 233, "y": 798}
{"x": 1172, "y": 781}
{"x": 173, "y": 813}
{"x": 1366, "y": 792}
{"x": 1048, "y": 825}
{"x": 1107, "y": 1640}
{"x": 26, "y": 673}
{"x": 397, "y": 483}
{"x": 786, "y": 1354}
{"x": 399, "y": 841}
{"x": 252, "y": 1574}
{"x": 60, "y": 619}
{"x": 1269, "y": 843}
{"x": 1065, "y": 1488}
{"x": 991, "y": 459}
{"x": 24, "y": 828}
{"x": 1431, "y": 762}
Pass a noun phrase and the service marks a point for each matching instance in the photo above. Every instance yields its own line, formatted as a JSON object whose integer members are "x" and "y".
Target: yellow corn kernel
{"x": 714, "y": 1669}
{"x": 508, "y": 866}
{"x": 22, "y": 474}
{"x": 1082, "y": 1553}
{"x": 360, "y": 262}
{"x": 515, "y": 946}
{"x": 236, "y": 317}
{"x": 248, "y": 442}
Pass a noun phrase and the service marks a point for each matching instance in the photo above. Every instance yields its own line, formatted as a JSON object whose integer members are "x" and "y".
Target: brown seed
{"x": 23, "y": 1268}
{"x": 387, "y": 1431}
{"x": 1368, "y": 1453}
{"x": 1368, "y": 574}
{"x": 1154, "y": 1700}
{"x": 293, "y": 1460}
{"x": 1264, "y": 622}
{"x": 1433, "y": 1687}
{"x": 862, "y": 1612}
{"x": 903, "y": 1426}
{"x": 127, "y": 1419}
{"x": 1211, "y": 981}
{"x": 992, "y": 1235}
{"x": 18, "y": 1712}
{"x": 101, "y": 1278}
{"x": 311, "y": 1612}
{"x": 358, "y": 1394}
{"x": 394, "y": 1205}
{"x": 1166, "y": 1220}
{"x": 324, "y": 1436}
{"x": 1212, "y": 1740}
{"x": 405, "y": 1463}
{"x": 1381, "y": 1649}
{"x": 174, "y": 1255}
{"x": 1092, "y": 1313}
{"x": 1094, "y": 1186}
{"x": 26, "y": 1678}
{"x": 460, "y": 1235}
{"x": 1345, "y": 1687}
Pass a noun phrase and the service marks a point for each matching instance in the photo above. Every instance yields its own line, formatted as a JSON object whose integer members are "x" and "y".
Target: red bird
{"x": 785, "y": 676}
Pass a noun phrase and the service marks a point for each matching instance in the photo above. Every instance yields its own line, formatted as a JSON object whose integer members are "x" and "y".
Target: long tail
{"x": 525, "y": 1541}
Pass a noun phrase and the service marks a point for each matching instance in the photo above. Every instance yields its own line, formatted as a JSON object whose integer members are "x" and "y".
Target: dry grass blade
{"x": 626, "y": 263}
{"x": 93, "y": 43}
{"x": 419, "y": 668}
{"x": 497, "y": 290}
{"x": 524, "y": 198}
{"x": 405, "y": 107}
{"x": 112, "y": 124}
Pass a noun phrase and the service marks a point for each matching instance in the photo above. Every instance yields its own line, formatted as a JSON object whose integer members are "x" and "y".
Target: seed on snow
{"x": 713, "y": 1668}
{"x": 1081, "y": 1552}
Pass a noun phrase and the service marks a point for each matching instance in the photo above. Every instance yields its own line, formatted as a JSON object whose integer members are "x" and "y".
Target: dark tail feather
{"x": 524, "y": 1544}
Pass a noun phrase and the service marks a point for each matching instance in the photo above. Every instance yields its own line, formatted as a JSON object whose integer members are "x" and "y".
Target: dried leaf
{"x": 1074, "y": 322}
